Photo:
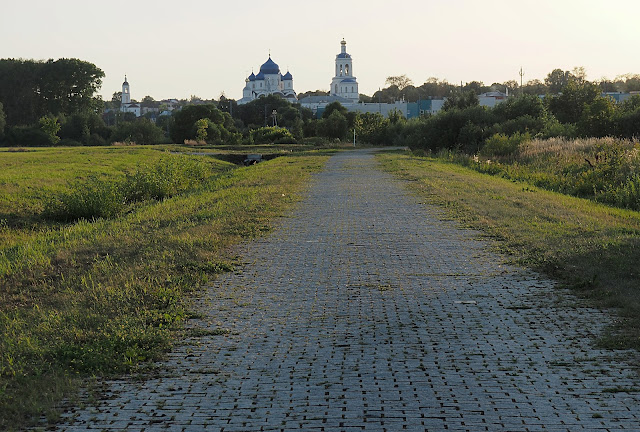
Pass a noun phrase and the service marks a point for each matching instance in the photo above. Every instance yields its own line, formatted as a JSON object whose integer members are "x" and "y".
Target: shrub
{"x": 170, "y": 176}
{"x": 68, "y": 142}
{"x": 372, "y": 128}
{"x": 271, "y": 134}
{"x": 500, "y": 145}
{"x": 21, "y": 136}
{"x": 626, "y": 195}
{"x": 141, "y": 131}
{"x": 522, "y": 124}
{"x": 81, "y": 126}
{"x": 51, "y": 127}
{"x": 87, "y": 199}
{"x": 334, "y": 126}
{"x": 98, "y": 198}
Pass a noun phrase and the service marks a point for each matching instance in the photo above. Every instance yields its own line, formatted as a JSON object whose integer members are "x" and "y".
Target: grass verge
{"x": 592, "y": 248}
{"x": 97, "y": 298}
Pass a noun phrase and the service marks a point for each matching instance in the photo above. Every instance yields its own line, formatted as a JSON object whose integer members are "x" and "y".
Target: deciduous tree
{"x": 400, "y": 81}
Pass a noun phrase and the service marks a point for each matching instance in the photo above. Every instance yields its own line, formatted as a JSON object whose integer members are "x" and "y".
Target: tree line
{"x": 401, "y": 87}
{"x": 53, "y": 102}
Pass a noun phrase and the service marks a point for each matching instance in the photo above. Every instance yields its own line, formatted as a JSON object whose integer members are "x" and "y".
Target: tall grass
{"x": 99, "y": 198}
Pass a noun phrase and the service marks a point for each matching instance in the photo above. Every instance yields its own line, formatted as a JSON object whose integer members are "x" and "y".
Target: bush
{"x": 334, "y": 126}
{"x": 170, "y": 176}
{"x": 82, "y": 126}
{"x": 522, "y": 124}
{"x": 141, "y": 131}
{"x": 530, "y": 106}
{"x": 68, "y": 142}
{"x": 98, "y": 198}
{"x": 271, "y": 134}
{"x": 500, "y": 145}
{"x": 372, "y": 128}
{"x": 626, "y": 195}
{"x": 21, "y": 136}
{"x": 451, "y": 129}
{"x": 87, "y": 199}
{"x": 628, "y": 124}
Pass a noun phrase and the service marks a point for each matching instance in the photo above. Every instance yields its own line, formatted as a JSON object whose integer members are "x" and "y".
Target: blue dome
{"x": 260, "y": 76}
{"x": 252, "y": 77}
{"x": 270, "y": 68}
{"x": 287, "y": 76}
{"x": 343, "y": 55}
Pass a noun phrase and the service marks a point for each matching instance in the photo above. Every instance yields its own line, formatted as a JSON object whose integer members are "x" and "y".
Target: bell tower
{"x": 126, "y": 93}
{"x": 344, "y": 84}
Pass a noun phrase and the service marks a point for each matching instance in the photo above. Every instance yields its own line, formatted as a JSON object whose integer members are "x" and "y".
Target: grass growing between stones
{"x": 592, "y": 248}
{"x": 100, "y": 297}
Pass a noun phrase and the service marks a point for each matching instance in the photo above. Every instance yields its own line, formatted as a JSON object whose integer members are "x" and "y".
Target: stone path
{"x": 365, "y": 311}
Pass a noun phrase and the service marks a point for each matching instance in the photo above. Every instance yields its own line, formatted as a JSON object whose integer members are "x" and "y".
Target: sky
{"x": 175, "y": 49}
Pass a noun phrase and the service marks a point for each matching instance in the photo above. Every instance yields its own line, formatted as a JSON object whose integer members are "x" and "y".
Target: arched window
{"x": 340, "y": 70}
{"x": 352, "y": 89}
{"x": 346, "y": 70}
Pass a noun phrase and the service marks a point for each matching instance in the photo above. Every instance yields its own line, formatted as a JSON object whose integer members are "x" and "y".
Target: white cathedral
{"x": 270, "y": 81}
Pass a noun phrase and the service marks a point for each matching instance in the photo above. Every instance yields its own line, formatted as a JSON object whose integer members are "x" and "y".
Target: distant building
{"x": 618, "y": 97}
{"x": 126, "y": 105}
{"x": 269, "y": 81}
{"x": 344, "y": 84}
{"x": 491, "y": 99}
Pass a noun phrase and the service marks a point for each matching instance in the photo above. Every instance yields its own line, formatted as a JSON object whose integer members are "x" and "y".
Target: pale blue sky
{"x": 180, "y": 48}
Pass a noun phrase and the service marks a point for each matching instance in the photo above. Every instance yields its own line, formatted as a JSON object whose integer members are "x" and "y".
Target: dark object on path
{"x": 253, "y": 159}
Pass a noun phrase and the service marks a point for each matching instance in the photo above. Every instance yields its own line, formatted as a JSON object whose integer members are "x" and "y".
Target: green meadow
{"x": 84, "y": 296}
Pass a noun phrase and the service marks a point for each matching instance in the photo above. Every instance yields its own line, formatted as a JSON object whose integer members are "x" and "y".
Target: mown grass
{"x": 590, "y": 247}
{"x": 99, "y": 297}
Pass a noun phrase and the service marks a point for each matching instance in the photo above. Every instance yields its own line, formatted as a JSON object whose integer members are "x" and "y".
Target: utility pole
{"x": 521, "y": 75}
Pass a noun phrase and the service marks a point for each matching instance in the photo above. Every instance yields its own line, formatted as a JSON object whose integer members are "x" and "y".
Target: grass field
{"x": 592, "y": 248}
{"x": 29, "y": 176}
{"x": 100, "y": 297}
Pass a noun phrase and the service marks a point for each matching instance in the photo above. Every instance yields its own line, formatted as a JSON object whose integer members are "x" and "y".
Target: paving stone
{"x": 366, "y": 310}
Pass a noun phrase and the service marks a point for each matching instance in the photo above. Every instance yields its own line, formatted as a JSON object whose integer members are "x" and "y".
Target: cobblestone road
{"x": 365, "y": 311}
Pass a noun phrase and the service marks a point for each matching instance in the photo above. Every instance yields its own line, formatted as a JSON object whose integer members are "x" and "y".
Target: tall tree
{"x": 32, "y": 89}
{"x": 461, "y": 100}
{"x": 400, "y": 81}
{"x": 116, "y": 100}
{"x": 18, "y": 81}
{"x": 149, "y": 102}
{"x": 67, "y": 86}
{"x": 568, "y": 106}
{"x": 557, "y": 80}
